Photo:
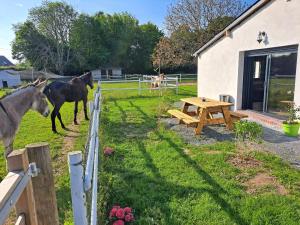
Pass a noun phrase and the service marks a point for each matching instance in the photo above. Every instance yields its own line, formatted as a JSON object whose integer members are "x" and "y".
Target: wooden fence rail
{"x": 29, "y": 186}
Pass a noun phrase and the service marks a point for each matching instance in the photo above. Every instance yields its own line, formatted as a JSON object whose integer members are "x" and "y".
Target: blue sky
{"x": 15, "y": 11}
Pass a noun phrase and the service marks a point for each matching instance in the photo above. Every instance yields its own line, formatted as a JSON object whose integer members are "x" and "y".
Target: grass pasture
{"x": 167, "y": 181}
{"x": 35, "y": 128}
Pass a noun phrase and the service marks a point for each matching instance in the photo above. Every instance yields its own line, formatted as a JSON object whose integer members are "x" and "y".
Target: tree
{"x": 56, "y": 38}
{"x": 198, "y": 14}
{"x": 52, "y": 21}
{"x": 176, "y": 50}
{"x": 190, "y": 24}
{"x": 30, "y": 45}
{"x": 88, "y": 40}
{"x": 147, "y": 37}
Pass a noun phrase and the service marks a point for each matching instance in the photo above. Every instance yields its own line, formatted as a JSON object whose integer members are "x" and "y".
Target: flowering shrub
{"x": 108, "y": 151}
{"x": 121, "y": 216}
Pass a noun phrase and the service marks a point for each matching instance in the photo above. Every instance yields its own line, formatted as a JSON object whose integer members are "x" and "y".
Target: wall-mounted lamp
{"x": 261, "y": 36}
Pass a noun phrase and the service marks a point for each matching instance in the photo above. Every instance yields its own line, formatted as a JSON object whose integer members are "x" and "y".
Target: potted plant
{"x": 291, "y": 125}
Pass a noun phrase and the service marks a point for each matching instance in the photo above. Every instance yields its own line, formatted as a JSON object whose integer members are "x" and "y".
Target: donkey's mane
{"x": 16, "y": 90}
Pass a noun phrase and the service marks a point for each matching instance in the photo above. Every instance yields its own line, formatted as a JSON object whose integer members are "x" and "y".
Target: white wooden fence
{"x": 181, "y": 76}
{"x": 167, "y": 83}
{"x": 85, "y": 179}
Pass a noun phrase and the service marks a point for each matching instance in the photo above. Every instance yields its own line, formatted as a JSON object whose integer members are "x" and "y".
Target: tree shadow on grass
{"x": 216, "y": 189}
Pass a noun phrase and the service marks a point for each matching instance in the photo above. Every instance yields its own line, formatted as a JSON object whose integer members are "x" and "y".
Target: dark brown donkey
{"x": 75, "y": 90}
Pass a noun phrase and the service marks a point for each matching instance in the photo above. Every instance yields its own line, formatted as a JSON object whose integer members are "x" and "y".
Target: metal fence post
{"x": 77, "y": 192}
{"x": 180, "y": 77}
{"x": 177, "y": 85}
{"x": 140, "y": 86}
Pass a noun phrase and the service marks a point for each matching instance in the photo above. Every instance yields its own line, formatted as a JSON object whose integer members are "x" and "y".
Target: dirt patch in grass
{"x": 244, "y": 162}
{"x": 212, "y": 152}
{"x": 68, "y": 145}
{"x": 188, "y": 152}
{"x": 264, "y": 182}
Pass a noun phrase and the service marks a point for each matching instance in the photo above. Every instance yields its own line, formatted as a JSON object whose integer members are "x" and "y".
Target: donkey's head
{"x": 39, "y": 99}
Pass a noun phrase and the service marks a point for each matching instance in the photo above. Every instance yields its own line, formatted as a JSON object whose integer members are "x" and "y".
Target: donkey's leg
{"x": 60, "y": 120}
{"x": 75, "y": 113}
{"x": 53, "y": 115}
{"x": 85, "y": 109}
{"x": 8, "y": 143}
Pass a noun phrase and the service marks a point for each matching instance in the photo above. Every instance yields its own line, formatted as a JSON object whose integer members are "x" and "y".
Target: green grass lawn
{"x": 35, "y": 128}
{"x": 167, "y": 181}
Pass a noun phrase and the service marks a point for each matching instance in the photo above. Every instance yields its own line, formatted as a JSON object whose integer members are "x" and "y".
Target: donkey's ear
{"x": 41, "y": 86}
{"x": 36, "y": 82}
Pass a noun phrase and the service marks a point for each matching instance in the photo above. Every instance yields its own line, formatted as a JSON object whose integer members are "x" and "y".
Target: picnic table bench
{"x": 205, "y": 111}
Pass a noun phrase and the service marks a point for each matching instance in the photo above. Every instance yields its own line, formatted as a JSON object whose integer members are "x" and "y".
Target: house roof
{"x": 246, "y": 14}
{"x": 5, "y": 62}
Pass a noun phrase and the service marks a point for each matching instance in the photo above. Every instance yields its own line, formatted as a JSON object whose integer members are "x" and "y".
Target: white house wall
{"x": 220, "y": 67}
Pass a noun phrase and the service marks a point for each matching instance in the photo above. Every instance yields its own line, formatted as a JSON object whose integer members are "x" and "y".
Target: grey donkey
{"x": 15, "y": 105}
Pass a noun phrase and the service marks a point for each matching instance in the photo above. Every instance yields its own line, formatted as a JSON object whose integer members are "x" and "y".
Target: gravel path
{"x": 287, "y": 148}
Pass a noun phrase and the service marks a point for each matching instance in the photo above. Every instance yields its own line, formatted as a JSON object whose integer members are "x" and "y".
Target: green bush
{"x": 248, "y": 131}
{"x": 163, "y": 106}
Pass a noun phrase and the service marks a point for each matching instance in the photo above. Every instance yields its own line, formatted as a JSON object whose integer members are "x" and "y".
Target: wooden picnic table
{"x": 206, "y": 109}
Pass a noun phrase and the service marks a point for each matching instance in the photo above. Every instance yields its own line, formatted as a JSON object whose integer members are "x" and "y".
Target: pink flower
{"x": 127, "y": 210}
{"x": 108, "y": 151}
{"x": 113, "y": 212}
{"x": 129, "y": 217}
{"x": 119, "y": 222}
{"x": 120, "y": 213}
{"x": 116, "y": 206}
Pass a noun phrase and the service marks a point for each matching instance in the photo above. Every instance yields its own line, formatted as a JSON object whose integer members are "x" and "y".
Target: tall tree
{"x": 88, "y": 40}
{"x": 146, "y": 39}
{"x": 197, "y": 14}
{"x": 190, "y": 24}
{"x": 30, "y": 45}
{"x": 53, "y": 21}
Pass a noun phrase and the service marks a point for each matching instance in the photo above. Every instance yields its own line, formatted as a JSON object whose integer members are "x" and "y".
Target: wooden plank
{"x": 205, "y": 104}
{"x": 43, "y": 184}
{"x": 202, "y": 118}
{"x": 18, "y": 160}
{"x": 185, "y": 107}
{"x": 8, "y": 185}
{"x": 183, "y": 117}
{"x": 227, "y": 117}
{"x": 238, "y": 115}
{"x": 215, "y": 121}
{"x": 21, "y": 220}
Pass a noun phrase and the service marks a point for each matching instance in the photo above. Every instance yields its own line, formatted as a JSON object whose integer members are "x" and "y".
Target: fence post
{"x": 77, "y": 192}
{"x": 177, "y": 85}
{"x": 18, "y": 160}
{"x": 140, "y": 86}
{"x": 43, "y": 184}
{"x": 91, "y": 107}
{"x": 180, "y": 77}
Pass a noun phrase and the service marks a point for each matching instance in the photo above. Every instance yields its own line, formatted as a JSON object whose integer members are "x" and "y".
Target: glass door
{"x": 281, "y": 82}
{"x": 269, "y": 80}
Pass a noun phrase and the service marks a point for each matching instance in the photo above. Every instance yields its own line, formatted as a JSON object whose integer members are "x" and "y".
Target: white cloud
{"x": 19, "y": 4}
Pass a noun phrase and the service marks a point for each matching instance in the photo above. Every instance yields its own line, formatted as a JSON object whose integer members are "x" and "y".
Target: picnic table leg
{"x": 202, "y": 118}
{"x": 227, "y": 117}
{"x": 185, "y": 107}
